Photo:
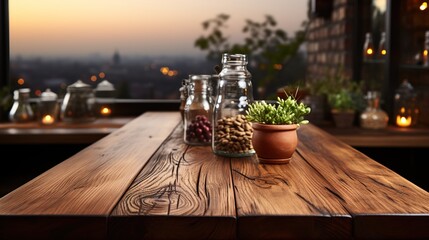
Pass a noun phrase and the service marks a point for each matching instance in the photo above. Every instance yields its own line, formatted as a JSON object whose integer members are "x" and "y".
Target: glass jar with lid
{"x": 21, "y": 110}
{"x": 79, "y": 103}
{"x": 232, "y": 133}
{"x": 406, "y": 110}
{"x": 48, "y": 107}
{"x": 198, "y": 111}
{"x": 105, "y": 98}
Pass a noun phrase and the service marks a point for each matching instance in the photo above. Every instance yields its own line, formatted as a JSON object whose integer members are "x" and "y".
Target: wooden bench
{"x": 142, "y": 181}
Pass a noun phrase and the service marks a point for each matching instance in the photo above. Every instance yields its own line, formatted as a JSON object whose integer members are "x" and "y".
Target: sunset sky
{"x": 134, "y": 27}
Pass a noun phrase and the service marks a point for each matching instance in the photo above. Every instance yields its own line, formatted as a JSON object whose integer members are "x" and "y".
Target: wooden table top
{"x": 143, "y": 181}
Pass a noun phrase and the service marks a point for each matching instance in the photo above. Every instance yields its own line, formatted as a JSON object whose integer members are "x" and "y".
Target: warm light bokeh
{"x": 48, "y": 120}
{"x": 403, "y": 121}
{"x": 105, "y": 111}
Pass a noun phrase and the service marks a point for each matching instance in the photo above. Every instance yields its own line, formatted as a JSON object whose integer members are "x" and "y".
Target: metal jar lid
{"x": 79, "y": 86}
{"x": 48, "y": 95}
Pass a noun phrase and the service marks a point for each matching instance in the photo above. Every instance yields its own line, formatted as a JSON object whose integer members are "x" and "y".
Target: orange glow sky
{"x": 135, "y": 27}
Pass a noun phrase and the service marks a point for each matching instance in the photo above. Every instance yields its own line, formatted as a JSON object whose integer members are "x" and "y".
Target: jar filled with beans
{"x": 198, "y": 111}
{"x": 232, "y": 133}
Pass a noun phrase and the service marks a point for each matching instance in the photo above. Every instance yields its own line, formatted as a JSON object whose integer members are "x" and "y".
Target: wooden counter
{"x": 142, "y": 181}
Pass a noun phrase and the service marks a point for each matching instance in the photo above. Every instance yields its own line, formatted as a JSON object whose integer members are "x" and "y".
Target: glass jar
{"x": 78, "y": 104}
{"x": 406, "y": 110}
{"x": 105, "y": 98}
{"x": 48, "y": 107}
{"x": 198, "y": 111}
{"x": 21, "y": 110}
{"x": 373, "y": 117}
{"x": 232, "y": 133}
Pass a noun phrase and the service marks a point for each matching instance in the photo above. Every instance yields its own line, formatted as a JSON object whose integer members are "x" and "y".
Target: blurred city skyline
{"x": 49, "y": 28}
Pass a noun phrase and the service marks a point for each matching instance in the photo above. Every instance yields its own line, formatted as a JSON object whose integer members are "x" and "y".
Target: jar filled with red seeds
{"x": 198, "y": 111}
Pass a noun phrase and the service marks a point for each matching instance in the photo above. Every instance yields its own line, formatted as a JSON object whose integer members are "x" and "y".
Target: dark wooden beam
{"x": 4, "y": 43}
{"x": 391, "y": 80}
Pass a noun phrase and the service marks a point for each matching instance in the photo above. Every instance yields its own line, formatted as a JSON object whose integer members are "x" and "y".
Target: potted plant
{"x": 344, "y": 105}
{"x": 274, "y": 128}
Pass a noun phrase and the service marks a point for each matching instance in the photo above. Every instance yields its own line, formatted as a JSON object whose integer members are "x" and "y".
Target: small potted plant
{"x": 344, "y": 105}
{"x": 274, "y": 128}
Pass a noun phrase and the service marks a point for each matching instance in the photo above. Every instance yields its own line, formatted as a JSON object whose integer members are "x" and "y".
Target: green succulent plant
{"x": 285, "y": 111}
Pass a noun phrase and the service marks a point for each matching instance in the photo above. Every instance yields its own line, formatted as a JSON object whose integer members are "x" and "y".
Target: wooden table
{"x": 142, "y": 181}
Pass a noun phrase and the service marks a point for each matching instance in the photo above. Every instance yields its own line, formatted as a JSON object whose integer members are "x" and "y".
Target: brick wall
{"x": 330, "y": 43}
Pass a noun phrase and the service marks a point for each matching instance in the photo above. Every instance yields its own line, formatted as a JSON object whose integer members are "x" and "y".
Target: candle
{"x": 105, "y": 111}
{"x": 403, "y": 121}
{"x": 48, "y": 120}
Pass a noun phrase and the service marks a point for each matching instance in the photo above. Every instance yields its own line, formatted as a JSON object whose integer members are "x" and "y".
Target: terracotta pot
{"x": 343, "y": 119}
{"x": 274, "y": 144}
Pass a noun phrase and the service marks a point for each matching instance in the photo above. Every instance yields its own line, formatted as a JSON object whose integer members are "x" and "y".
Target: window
{"x": 145, "y": 48}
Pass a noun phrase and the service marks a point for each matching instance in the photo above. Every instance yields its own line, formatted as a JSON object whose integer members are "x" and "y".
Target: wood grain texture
{"x": 89, "y": 184}
{"x": 286, "y": 202}
{"x": 184, "y": 192}
{"x": 143, "y": 182}
{"x": 383, "y": 204}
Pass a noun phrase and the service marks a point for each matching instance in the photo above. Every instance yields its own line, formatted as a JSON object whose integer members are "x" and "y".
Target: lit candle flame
{"x": 403, "y": 121}
{"x": 105, "y": 111}
{"x": 369, "y": 51}
{"x": 48, "y": 119}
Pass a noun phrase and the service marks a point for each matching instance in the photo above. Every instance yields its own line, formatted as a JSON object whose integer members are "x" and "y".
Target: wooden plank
{"x": 383, "y": 204}
{"x": 184, "y": 192}
{"x": 74, "y": 198}
{"x": 289, "y": 201}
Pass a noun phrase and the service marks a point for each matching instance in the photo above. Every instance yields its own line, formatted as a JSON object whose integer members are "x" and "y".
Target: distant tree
{"x": 269, "y": 48}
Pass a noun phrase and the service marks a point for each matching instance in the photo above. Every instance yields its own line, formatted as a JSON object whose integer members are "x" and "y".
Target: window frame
{"x": 4, "y": 44}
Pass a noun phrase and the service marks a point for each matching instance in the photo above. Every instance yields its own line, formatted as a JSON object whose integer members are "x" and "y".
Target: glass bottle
{"x": 48, "y": 107}
{"x": 382, "y": 46}
{"x": 21, "y": 110}
{"x": 426, "y": 50}
{"x": 368, "y": 47}
{"x": 198, "y": 112}
{"x": 232, "y": 133}
{"x": 373, "y": 117}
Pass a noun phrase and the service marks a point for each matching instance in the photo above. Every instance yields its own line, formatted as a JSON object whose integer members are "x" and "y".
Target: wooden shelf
{"x": 390, "y": 137}
{"x": 60, "y": 133}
